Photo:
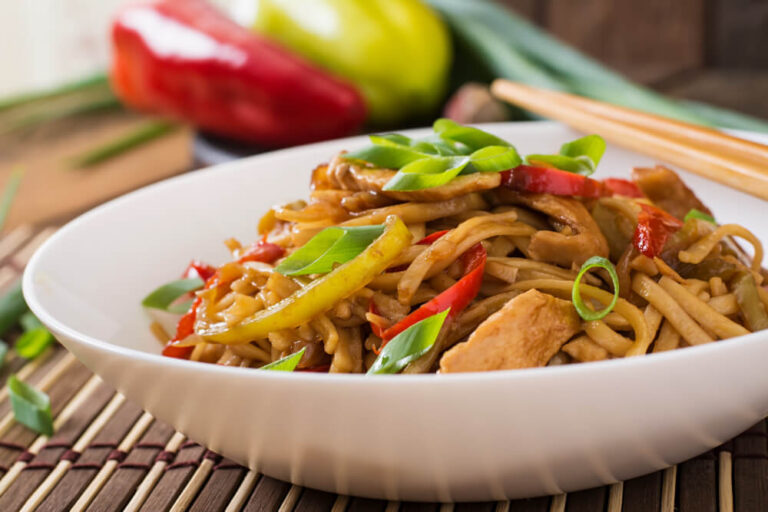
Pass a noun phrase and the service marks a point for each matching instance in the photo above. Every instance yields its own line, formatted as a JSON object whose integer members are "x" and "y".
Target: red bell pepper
{"x": 654, "y": 226}
{"x": 185, "y": 59}
{"x": 199, "y": 269}
{"x": 618, "y": 186}
{"x": 430, "y": 239}
{"x": 548, "y": 180}
{"x": 457, "y": 297}
{"x": 263, "y": 251}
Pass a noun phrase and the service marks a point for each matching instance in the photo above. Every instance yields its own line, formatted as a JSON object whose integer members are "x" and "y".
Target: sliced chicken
{"x": 667, "y": 191}
{"x": 577, "y": 238}
{"x": 525, "y": 333}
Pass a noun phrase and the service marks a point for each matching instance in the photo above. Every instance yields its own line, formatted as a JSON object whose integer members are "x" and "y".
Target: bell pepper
{"x": 654, "y": 226}
{"x": 199, "y": 269}
{"x": 620, "y": 187}
{"x": 320, "y": 295}
{"x": 457, "y": 297}
{"x": 548, "y": 180}
{"x": 262, "y": 250}
{"x": 187, "y": 60}
{"x": 397, "y": 52}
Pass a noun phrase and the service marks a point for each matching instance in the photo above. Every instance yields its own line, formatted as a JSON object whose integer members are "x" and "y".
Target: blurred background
{"x": 78, "y": 146}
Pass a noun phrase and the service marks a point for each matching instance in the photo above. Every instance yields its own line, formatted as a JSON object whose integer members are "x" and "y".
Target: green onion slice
{"x": 698, "y": 214}
{"x": 31, "y": 407}
{"x": 580, "y": 156}
{"x": 329, "y": 247}
{"x": 387, "y": 156}
{"x": 29, "y": 321}
{"x": 473, "y": 138}
{"x": 164, "y": 296}
{"x": 3, "y": 352}
{"x": 495, "y": 159}
{"x": 582, "y": 309}
{"x": 33, "y": 342}
{"x": 409, "y": 345}
{"x": 428, "y": 173}
{"x": 12, "y": 307}
{"x": 286, "y": 364}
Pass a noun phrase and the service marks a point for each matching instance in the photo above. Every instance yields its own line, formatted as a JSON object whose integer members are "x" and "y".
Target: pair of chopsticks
{"x": 729, "y": 160}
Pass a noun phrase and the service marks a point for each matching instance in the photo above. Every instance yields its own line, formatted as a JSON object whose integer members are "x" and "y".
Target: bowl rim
{"x": 30, "y": 292}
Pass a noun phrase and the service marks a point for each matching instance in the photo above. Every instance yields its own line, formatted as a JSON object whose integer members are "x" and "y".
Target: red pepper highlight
{"x": 654, "y": 226}
{"x": 187, "y": 60}
{"x": 621, "y": 187}
{"x": 263, "y": 251}
{"x": 199, "y": 269}
{"x": 457, "y": 297}
{"x": 548, "y": 180}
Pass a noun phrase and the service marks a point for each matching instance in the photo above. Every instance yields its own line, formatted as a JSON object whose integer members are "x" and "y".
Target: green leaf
{"x": 409, "y": 345}
{"x": 12, "y": 307}
{"x": 427, "y": 173}
{"x": 580, "y": 156}
{"x": 9, "y": 193}
{"x": 473, "y": 138}
{"x": 165, "y": 295}
{"x": 286, "y": 364}
{"x": 495, "y": 159}
{"x": 330, "y": 246}
{"x": 585, "y": 312}
{"x": 29, "y": 321}
{"x": 181, "y": 307}
{"x": 30, "y": 406}
{"x": 33, "y": 342}
{"x": 698, "y": 214}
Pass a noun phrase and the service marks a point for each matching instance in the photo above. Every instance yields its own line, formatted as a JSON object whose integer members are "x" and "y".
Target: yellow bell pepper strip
{"x": 397, "y": 52}
{"x": 319, "y": 295}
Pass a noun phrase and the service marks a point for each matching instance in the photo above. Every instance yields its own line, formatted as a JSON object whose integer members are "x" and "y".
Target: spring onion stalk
{"x": 286, "y": 364}
{"x": 725, "y": 118}
{"x": 12, "y": 307}
{"x": 98, "y": 81}
{"x": 167, "y": 294}
{"x": 409, "y": 345}
{"x": 329, "y": 247}
{"x": 54, "y": 113}
{"x": 698, "y": 214}
{"x": 9, "y": 193}
{"x": 142, "y": 134}
{"x": 31, "y": 407}
{"x": 585, "y": 312}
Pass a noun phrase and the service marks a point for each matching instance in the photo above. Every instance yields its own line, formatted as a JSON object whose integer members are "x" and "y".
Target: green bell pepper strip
{"x": 319, "y": 295}
{"x": 396, "y": 52}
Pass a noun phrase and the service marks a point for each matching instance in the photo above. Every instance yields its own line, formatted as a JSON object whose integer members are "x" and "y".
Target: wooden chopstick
{"x": 734, "y": 162}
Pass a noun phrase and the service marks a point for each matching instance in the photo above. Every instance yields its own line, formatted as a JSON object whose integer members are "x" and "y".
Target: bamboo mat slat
{"x": 107, "y": 454}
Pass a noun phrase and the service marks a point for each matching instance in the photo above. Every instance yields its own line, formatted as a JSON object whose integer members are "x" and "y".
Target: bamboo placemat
{"x": 107, "y": 454}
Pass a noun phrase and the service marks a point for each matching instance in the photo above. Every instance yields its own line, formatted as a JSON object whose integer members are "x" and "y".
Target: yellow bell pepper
{"x": 397, "y": 52}
{"x": 319, "y": 295}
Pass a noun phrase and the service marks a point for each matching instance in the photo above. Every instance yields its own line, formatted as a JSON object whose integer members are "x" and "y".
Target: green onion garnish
{"x": 585, "y": 312}
{"x": 286, "y": 364}
{"x": 29, "y": 321}
{"x": 698, "y": 214}
{"x": 164, "y": 296}
{"x": 31, "y": 407}
{"x": 409, "y": 345}
{"x": 580, "y": 156}
{"x": 33, "y": 342}
{"x": 427, "y": 173}
{"x": 329, "y": 247}
{"x": 146, "y": 132}
{"x": 473, "y": 138}
{"x": 12, "y": 307}
{"x": 9, "y": 193}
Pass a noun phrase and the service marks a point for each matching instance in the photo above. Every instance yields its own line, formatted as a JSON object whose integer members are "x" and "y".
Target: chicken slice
{"x": 525, "y": 333}
{"x": 667, "y": 191}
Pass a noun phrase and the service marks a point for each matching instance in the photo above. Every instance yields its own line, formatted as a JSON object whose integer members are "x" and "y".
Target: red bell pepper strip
{"x": 187, "y": 60}
{"x": 548, "y": 180}
{"x": 457, "y": 297}
{"x": 184, "y": 328}
{"x": 620, "y": 187}
{"x": 430, "y": 239}
{"x": 199, "y": 269}
{"x": 263, "y": 251}
{"x": 654, "y": 226}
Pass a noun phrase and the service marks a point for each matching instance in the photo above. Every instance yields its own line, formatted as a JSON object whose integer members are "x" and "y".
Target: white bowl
{"x": 446, "y": 438}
